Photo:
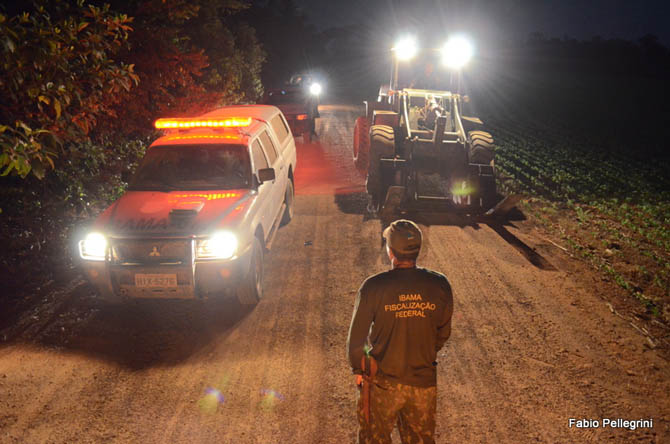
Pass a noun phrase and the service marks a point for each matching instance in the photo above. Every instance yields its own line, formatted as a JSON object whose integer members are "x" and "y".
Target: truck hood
{"x": 174, "y": 213}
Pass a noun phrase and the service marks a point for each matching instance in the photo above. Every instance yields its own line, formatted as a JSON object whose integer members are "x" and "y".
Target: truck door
{"x": 266, "y": 204}
{"x": 275, "y": 161}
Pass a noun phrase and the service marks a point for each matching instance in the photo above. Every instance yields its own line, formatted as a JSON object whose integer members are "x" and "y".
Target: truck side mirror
{"x": 266, "y": 175}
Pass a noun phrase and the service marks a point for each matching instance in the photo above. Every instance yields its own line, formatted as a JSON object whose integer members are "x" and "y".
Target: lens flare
{"x": 210, "y": 402}
{"x": 270, "y": 398}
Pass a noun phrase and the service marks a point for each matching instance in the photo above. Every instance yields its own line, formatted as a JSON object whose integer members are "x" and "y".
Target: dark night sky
{"x": 512, "y": 19}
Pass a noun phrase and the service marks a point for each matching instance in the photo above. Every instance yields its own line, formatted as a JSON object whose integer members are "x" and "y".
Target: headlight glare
{"x": 315, "y": 89}
{"x": 221, "y": 245}
{"x": 457, "y": 52}
{"x": 93, "y": 247}
{"x": 405, "y": 48}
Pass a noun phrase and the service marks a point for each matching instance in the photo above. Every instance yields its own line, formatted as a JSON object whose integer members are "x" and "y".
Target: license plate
{"x": 155, "y": 280}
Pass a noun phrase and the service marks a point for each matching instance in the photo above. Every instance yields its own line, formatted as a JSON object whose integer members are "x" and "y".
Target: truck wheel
{"x": 250, "y": 291}
{"x": 288, "y": 200}
{"x": 382, "y": 144}
{"x": 361, "y": 143}
{"x": 481, "y": 147}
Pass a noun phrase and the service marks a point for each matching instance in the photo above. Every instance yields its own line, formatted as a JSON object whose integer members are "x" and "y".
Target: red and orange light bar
{"x": 186, "y": 123}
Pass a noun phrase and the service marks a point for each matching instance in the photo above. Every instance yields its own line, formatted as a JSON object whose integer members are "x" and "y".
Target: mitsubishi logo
{"x": 154, "y": 252}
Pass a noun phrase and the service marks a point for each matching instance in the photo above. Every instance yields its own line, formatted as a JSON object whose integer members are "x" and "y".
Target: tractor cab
{"x": 412, "y": 143}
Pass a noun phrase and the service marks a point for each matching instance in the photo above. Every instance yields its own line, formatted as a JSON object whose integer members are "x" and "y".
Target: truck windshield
{"x": 193, "y": 167}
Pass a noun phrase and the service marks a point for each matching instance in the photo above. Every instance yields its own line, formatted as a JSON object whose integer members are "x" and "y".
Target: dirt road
{"x": 534, "y": 342}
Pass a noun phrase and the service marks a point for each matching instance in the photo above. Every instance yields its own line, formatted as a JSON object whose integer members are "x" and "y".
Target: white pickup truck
{"x": 199, "y": 212}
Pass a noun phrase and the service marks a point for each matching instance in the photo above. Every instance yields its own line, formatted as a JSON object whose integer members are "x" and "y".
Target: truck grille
{"x": 151, "y": 251}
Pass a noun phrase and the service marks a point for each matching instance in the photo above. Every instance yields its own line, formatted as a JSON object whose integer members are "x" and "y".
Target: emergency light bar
{"x": 186, "y": 123}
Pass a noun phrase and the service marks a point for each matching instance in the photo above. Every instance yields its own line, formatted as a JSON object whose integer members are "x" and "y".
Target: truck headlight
{"x": 457, "y": 52}
{"x": 315, "y": 89}
{"x": 221, "y": 245}
{"x": 93, "y": 247}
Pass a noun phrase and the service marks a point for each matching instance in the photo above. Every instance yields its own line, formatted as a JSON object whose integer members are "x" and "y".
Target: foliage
{"x": 58, "y": 80}
{"x": 191, "y": 58}
{"x": 611, "y": 207}
{"x": 80, "y": 90}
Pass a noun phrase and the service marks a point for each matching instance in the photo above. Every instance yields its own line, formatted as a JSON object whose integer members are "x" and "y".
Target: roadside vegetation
{"x": 589, "y": 152}
{"x": 81, "y": 84}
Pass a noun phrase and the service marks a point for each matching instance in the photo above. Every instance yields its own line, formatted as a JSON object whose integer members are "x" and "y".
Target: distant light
{"x": 315, "y": 89}
{"x": 457, "y": 52}
{"x": 405, "y": 48}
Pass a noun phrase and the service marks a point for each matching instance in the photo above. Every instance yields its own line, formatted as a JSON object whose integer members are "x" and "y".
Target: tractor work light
{"x": 233, "y": 122}
{"x": 405, "y": 48}
{"x": 315, "y": 89}
{"x": 457, "y": 52}
{"x": 221, "y": 245}
{"x": 93, "y": 247}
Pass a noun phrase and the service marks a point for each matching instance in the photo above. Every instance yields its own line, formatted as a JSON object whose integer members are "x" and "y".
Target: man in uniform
{"x": 402, "y": 318}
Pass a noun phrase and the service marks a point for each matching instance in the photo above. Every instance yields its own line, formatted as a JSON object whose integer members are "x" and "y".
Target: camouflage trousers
{"x": 411, "y": 408}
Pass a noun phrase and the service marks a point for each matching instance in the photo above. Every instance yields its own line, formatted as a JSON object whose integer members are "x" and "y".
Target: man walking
{"x": 402, "y": 318}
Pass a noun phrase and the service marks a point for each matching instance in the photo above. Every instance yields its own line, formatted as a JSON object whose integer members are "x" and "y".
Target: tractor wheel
{"x": 481, "y": 147}
{"x": 382, "y": 144}
{"x": 361, "y": 143}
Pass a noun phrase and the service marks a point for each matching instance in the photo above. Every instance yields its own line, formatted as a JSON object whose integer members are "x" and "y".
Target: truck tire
{"x": 288, "y": 200}
{"x": 361, "y": 143}
{"x": 250, "y": 291}
{"x": 481, "y": 147}
{"x": 382, "y": 144}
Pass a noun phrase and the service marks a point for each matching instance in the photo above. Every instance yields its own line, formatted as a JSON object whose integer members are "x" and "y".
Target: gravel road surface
{"x": 534, "y": 342}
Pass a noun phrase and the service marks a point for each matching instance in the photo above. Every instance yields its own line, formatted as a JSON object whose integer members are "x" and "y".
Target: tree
{"x": 58, "y": 80}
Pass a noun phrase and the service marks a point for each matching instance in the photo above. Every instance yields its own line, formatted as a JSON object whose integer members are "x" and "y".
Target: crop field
{"x": 609, "y": 207}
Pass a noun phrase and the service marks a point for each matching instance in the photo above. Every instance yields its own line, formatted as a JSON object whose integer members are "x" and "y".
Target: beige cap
{"x": 403, "y": 236}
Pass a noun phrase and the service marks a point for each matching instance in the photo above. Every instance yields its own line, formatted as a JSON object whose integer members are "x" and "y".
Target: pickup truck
{"x": 299, "y": 102}
{"x": 200, "y": 211}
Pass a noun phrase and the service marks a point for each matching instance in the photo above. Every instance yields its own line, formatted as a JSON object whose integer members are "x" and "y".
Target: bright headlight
{"x": 93, "y": 247}
{"x": 315, "y": 89}
{"x": 405, "y": 48}
{"x": 457, "y": 52}
{"x": 221, "y": 245}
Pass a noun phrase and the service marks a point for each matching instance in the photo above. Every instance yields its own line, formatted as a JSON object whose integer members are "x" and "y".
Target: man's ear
{"x": 389, "y": 253}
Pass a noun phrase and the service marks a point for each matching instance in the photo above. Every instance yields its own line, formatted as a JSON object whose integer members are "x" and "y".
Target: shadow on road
{"x": 531, "y": 255}
{"x": 138, "y": 334}
{"x": 356, "y": 203}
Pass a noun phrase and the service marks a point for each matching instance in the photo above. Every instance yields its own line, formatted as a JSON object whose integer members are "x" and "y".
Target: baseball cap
{"x": 403, "y": 236}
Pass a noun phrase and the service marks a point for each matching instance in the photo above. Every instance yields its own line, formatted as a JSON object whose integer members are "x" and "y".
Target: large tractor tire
{"x": 482, "y": 152}
{"x": 382, "y": 144}
{"x": 361, "y": 143}
{"x": 481, "y": 147}
{"x": 250, "y": 290}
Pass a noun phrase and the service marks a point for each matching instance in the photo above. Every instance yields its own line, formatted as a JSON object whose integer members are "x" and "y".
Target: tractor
{"x": 417, "y": 149}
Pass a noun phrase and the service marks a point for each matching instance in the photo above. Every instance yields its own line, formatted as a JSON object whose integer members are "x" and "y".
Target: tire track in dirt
{"x": 552, "y": 379}
{"x": 529, "y": 348}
